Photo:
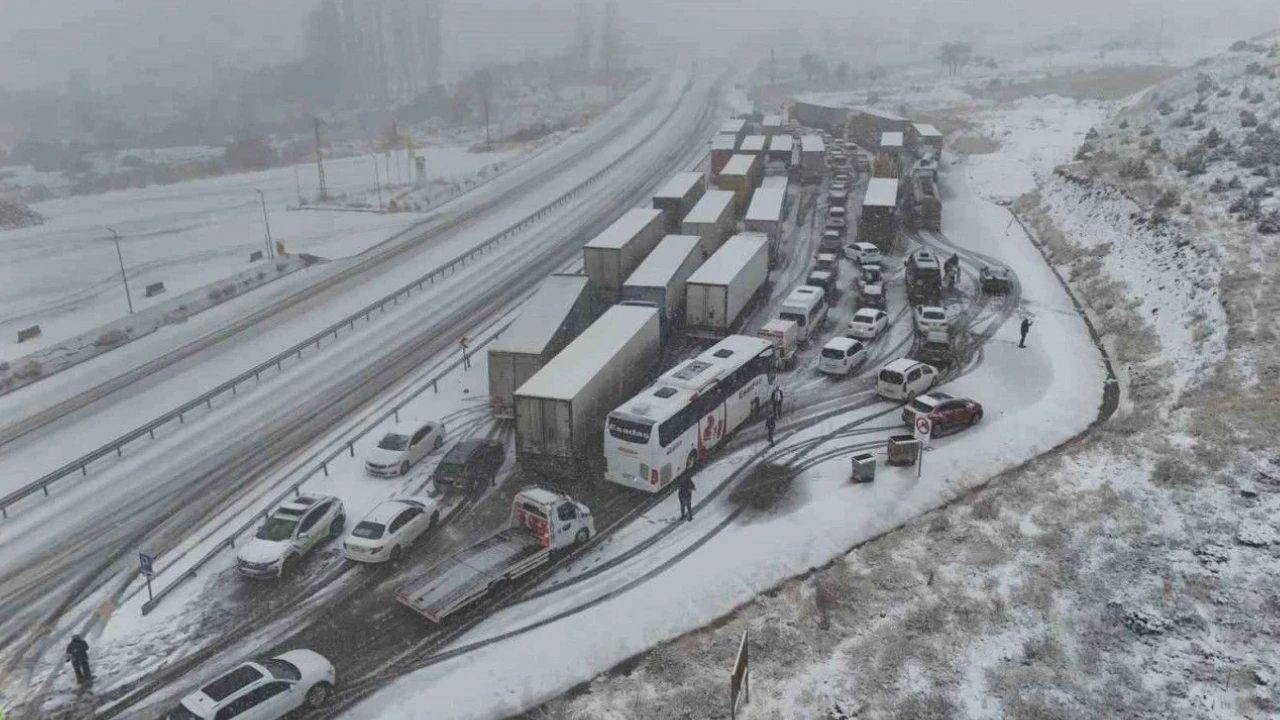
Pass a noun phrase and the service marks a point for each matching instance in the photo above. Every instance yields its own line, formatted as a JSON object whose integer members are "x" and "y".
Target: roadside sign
{"x": 145, "y": 564}
{"x": 738, "y": 682}
{"x": 924, "y": 427}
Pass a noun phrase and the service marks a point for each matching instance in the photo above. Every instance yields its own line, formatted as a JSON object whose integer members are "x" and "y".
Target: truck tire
{"x": 583, "y": 536}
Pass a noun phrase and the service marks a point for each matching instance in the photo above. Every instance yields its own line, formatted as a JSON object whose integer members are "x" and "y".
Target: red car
{"x": 948, "y": 414}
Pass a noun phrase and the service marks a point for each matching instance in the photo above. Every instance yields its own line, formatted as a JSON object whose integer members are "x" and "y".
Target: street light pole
{"x": 271, "y": 253}
{"x": 120, "y": 256}
{"x": 377, "y": 179}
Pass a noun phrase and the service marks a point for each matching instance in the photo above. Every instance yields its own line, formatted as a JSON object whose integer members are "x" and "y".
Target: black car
{"x": 469, "y": 464}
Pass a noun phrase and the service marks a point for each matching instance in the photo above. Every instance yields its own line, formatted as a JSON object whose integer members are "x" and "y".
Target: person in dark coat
{"x": 685, "y": 492}
{"x": 770, "y": 423}
{"x": 78, "y": 654}
{"x": 776, "y": 400}
{"x": 1026, "y": 327}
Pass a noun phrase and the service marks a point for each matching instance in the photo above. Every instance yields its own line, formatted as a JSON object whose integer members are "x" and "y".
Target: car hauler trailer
{"x": 711, "y": 219}
{"x": 878, "y": 224}
{"x": 612, "y": 255}
{"x": 560, "y": 410}
{"x": 813, "y": 159}
{"x": 722, "y": 148}
{"x": 717, "y": 292}
{"x": 764, "y": 216}
{"x": 661, "y": 278}
{"x": 678, "y": 197}
{"x": 563, "y": 306}
{"x": 780, "y": 147}
{"x": 541, "y": 523}
{"x": 740, "y": 176}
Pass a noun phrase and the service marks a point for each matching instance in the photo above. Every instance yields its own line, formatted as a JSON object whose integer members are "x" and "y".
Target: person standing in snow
{"x": 770, "y": 423}
{"x": 684, "y": 491}
{"x": 776, "y": 400}
{"x": 1026, "y": 327}
{"x": 78, "y": 654}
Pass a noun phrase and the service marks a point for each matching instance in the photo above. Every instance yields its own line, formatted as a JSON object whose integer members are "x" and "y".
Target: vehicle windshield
{"x": 921, "y": 406}
{"x": 797, "y": 318}
{"x": 833, "y": 353}
{"x": 449, "y": 469}
{"x": 630, "y": 430}
{"x": 281, "y": 669}
{"x": 864, "y": 318}
{"x": 276, "y": 529}
{"x": 892, "y": 377}
{"x": 181, "y": 713}
{"x": 394, "y": 441}
{"x": 368, "y": 530}
{"x": 933, "y": 315}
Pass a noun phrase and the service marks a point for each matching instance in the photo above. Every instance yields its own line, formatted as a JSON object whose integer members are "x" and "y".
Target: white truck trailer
{"x": 813, "y": 158}
{"x": 764, "y": 216}
{"x": 771, "y": 125}
{"x": 563, "y": 306}
{"x": 754, "y": 145}
{"x": 780, "y": 147}
{"x": 542, "y": 522}
{"x": 711, "y": 219}
{"x": 560, "y": 410}
{"x": 612, "y": 255}
{"x": 718, "y": 291}
{"x": 678, "y": 197}
{"x": 660, "y": 279}
{"x": 740, "y": 176}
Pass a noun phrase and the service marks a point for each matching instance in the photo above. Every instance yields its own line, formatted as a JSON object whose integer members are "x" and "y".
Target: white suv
{"x": 293, "y": 530}
{"x": 263, "y": 690}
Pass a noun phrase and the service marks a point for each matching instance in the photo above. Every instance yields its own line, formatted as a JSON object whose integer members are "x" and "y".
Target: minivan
{"x": 468, "y": 464}
{"x": 806, "y": 306}
{"x": 841, "y": 356}
{"x": 904, "y": 378}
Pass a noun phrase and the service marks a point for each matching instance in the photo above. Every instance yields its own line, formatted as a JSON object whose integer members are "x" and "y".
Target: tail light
{"x": 653, "y": 477}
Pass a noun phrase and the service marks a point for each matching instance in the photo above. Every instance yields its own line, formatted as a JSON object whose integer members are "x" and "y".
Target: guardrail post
{"x": 182, "y": 420}
{"x": 117, "y": 454}
{"x": 46, "y": 490}
{"x": 152, "y": 433}
{"x": 434, "y": 385}
{"x": 297, "y": 490}
{"x": 396, "y": 412}
{"x": 256, "y": 378}
{"x": 352, "y": 448}
{"x": 233, "y": 389}
{"x": 83, "y": 471}
{"x": 324, "y": 466}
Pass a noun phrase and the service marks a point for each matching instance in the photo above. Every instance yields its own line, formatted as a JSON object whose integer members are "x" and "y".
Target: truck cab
{"x": 783, "y": 334}
{"x": 558, "y": 520}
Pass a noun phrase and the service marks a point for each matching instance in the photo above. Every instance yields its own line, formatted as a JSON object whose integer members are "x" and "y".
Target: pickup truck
{"x": 542, "y": 522}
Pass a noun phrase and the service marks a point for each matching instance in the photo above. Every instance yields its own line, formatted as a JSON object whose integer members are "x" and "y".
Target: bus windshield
{"x": 630, "y": 430}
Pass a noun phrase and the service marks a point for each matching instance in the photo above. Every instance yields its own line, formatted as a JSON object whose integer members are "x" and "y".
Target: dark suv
{"x": 468, "y": 464}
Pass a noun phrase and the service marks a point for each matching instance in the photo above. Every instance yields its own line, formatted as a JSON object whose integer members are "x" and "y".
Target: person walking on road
{"x": 775, "y": 401}
{"x": 770, "y": 423}
{"x": 78, "y": 654}
{"x": 1026, "y": 327}
{"x": 684, "y": 491}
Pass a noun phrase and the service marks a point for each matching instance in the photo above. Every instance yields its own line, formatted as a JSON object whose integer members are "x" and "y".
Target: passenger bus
{"x": 669, "y": 427}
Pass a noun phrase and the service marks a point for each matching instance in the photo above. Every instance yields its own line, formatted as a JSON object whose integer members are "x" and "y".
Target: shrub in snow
{"x": 28, "y": 369}
{"x": 1244, "y": 94}
{"x": 1085, "y": 151}
{"x": 1213, "y": 138}
{"x": 1253, "y": 68}
{"x": 1218, "y": 186}
{"x": 1255, "y": 534}
{"x": 1145, "y": 621}
{"x": 111, "y": 338}
{"x": 1172, "y": 472}
{"x": 1135, "y": 169}
{"x": 1239, "y": 46}
{"x": 1124, "y": 124}
{"x": 1257, "y": 98}
{"x": 1246, "y": 207}
{"x": 1164, "y": 108}
{"x": 1184, "y": 120}
{"x": 1145, "y": 131}
{"x": 1192, "y": 163}
{"x": 1224, "y": 92}
{"x": 1199, "y": 125}
{"x": 1091, "y": 135}
{"x": 1199, "y": 107}
{"x": 1234, "y": 183}
{"x": 1270, "y": 225}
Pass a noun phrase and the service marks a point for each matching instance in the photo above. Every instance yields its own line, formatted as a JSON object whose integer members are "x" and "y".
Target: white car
{"x": 922, "y": 257}
{"x": 904, "y": 379}
{"x": 841, "y": 356}
{"x": 862, "y": 252}
{"x": 390, "y": 528}
{"x": 263, "y": 690}
{"x": 867, "y": 324}
{"x": 402, "y": 446}
{"x": 293, "y": 530}
{"x": 838, "y": 187}
{"x": 931, "y": 318}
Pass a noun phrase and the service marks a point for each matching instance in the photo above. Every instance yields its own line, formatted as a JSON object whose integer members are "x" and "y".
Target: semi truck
{"x": 560, "y": 410}
{"x": 711, "y": 219}
{"x": 722, "y": 148}
{"x": 753, "y": 145}
{"x": 717, "y": 292}
{"x": 563, "y": 306}
{"x": 813, "y": 158}
{"x": 780, "y": 147}
{"x": 740, "y": 176}
{"x": 542, "y": 523}
{"x": 661, "y": 278}
{"x": 612, "y": 255}
{"x": 678, "y": 197}
{"x": 765, "y": 217}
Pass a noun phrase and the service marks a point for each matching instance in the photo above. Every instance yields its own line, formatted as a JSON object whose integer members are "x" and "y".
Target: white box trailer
{"x": 736, "y": 127}
{"x": 813, "y": 158}
{"x": 753, "y": 145}
{"x": 612, "y": 255}
{"x": 678, "y": 197}
{"x": 771, "y": 125}
{"x": 563, "y": 306}
{"x": 764, "y": 216}
{"x": 718, "y": 291}
{"x": 560, "y": 411}
{"x": 780, "y": 148}
{"x": 741, "y": 175}
{"x": 661, "y": 278}
{"x": 711, "y": 219}
{"x": 775, "y": 181}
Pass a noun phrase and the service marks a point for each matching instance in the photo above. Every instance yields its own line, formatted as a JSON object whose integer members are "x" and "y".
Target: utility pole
{"x": 377, "y": 179}
{"x": 297, "y": 181}
{"x": 124, "y": 278}
{"x": 1160, "y": 40}
{"x": 265, "y": 221}
{"x": 772, "y": 80}
{"x": 324, "y": 191}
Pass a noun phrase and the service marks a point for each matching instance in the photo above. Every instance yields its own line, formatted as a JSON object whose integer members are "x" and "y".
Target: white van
{"x": 806, "y": 306}
{"x": 841, "y": 356}
{"x": 905, "y": 378}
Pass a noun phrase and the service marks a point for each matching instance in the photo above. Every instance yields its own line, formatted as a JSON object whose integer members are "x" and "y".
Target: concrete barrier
{"x": 29, "y": 333}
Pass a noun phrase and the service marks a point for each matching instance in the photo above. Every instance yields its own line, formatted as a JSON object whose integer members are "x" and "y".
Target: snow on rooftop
{"x": 772, "y": 121}
{"x": 891, "y": 140}
{"x": 665, "y": 260}
{"x": 738, "y": 165}
{"x": 679, "y": 185}
{"x": 753, "y": 143}
{"x": 926, "y": 130}
{"x": 812, "y": 143}
{"x": 724, "y": 142}
{"x": 542, "y": 315}
{"x": 624, "y": 229}
{"x": 774, "y": 181}
{"x": 881, "y": 192}
{"x": 570, "y": 371}
{"x": 736, "y": 253}
{"x": 766, "y": 203}
{"x": 781, "y": 143}
{"x": 733, "y": 126}
{"x": 711, "y": 207}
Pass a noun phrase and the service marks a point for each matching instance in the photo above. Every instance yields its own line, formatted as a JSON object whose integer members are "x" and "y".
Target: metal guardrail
{"x": 321, "y": 468}
{"x": 115, "y": 446}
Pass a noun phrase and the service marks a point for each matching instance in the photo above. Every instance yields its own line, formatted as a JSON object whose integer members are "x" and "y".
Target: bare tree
{"x": 582, "y": 39}
{"x": 813, "y": 65}
{"x": 955, "y": 55}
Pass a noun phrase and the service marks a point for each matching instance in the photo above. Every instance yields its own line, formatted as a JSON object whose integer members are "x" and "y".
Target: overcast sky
{"x": 42, "y": 42}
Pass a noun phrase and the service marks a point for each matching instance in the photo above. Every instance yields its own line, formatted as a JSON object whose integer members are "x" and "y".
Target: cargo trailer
{"x": 560, "y": 410}
{"x": 612, "y": 255}
{"x": 813, "y": 158}
{"x": 771, "y": 125}
{"x": 780, "y": 148}
{"x": 765, "y": 216}
{"x": 775, "y": 181}
{"x": 753, "y": 145}
{"x": 735, "y": 128}
{"x": 563, "y": 306}
{"x": 923, "y": 137}
{"x": 678, "y": 197}
{"x": 740, "y": 176}
{"x": 717, "y": 292}
{"x": 711, "y": 219}
{"x": 722, "y": 148}
{"x": 661, "y": 278}
{"x": 878, "y": 223}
